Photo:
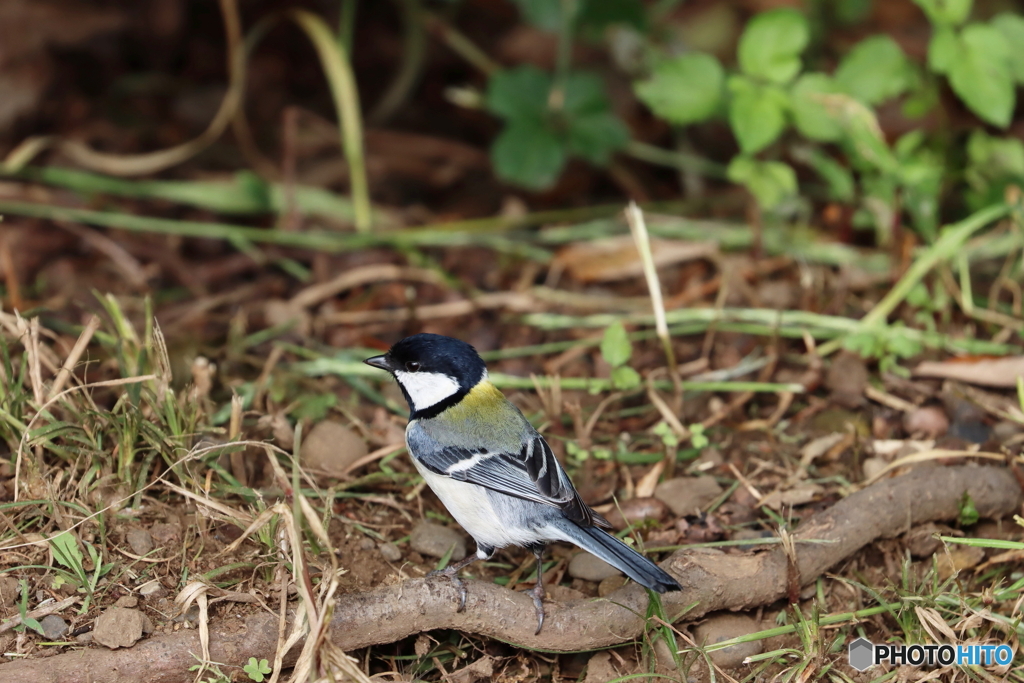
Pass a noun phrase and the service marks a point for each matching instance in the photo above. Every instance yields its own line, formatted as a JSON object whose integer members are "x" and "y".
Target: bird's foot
{"x": 537, "y": 593}
{"x": 452, "y": 574}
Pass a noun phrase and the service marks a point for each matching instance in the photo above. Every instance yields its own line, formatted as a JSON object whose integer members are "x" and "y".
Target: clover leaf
{"x": 685, "y": 89}
{"x": 770, "y": 46}
{"x": 532, "y": 149}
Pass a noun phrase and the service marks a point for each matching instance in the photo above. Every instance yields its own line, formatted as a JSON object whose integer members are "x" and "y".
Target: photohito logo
{"x": 865, "y": 654}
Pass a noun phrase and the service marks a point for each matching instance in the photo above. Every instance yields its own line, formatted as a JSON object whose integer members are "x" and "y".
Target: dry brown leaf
{"x": 617, "y": 258}
{"x": 959, "y": 558}
{"x": 986, "y": 371}
{"x": 798, "y": 495}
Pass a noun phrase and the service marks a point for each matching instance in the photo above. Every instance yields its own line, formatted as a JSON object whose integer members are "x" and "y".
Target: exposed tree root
{"x": 711, "y": 581}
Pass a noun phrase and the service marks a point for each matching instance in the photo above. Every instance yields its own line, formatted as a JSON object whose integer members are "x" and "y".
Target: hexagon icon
{"x": 861, "y": 654}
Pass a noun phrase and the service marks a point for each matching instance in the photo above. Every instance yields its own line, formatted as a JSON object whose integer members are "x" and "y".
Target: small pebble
{"x": 367, "y": 544}
{"x": 330, "y": 447}
{"x": 54, "y": 627}
{"x": 726, "y": 626}
{"x": 191, "y": 616}
{"x": 390, "y": 552}
{"x": 166, "y": 535}
{"x": 119, "y": 627}
{"x": 927, "y": 421}
{"x": 591, "y": 568}
{"x": 435, "y": 540}
{"x": 152, "y": 590}
{"x": 846, "y": 378}
{"x": 140, "y": 541}
{"x": 9, "y": 590}
{"x": 1004, "y": 430}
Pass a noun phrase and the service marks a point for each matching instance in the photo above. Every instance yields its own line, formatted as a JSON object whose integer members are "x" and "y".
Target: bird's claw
{"x": 537, "y": 593}
{"x": 459, "y": 584}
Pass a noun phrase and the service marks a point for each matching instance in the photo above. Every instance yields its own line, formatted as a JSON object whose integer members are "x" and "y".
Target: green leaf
{"x": 594, "y": 131}
{"x": 757, "y": 113}
{"x": 981, "y": 77}
{"x": 668, "y": 437}
{"x": 841, "y": 186}
{"x": 865, "y": 344}
{"x": 992, "y": 163}
{"x": 544, "y": 14}
{"x": 594, "y": 15}
{"x": 615, "y": 345}
{"x": 1012, "y": 27}
{"x": 34, "y": 625}
{"x": 626, "y": 378}
{"x": 995, "y": 157}
{"x": 902, "y": 346}
{"x": 257, "y": 671}
{"x": 698, "y": 439}
{"x": 597, "y": 15}
{"x": 585, "y": 93}
{"x": 770, "y": 46}
{"x": 851, "y": 11}
{"x": 946, "y": 12}
{"x": 874, "y": 71}
{"x": 864, "y": 137}
{"x": 920, "y": 175}
{"x": 943, "y": 50}
{"x": 920, "y": 297}
{"x": 923, "y": 97}
{"x": 519, "y": 93}
{"x": 969, "y": 514}
{"x": 810, "y": 115}
{"x": 683, "y": 90}
{"x": 596, "y": 136}
{"x": 314, "y": 406}
{"x": 528, "y": 154}
{"x": 771, "y": 182}
{"x": 66, "y": 551}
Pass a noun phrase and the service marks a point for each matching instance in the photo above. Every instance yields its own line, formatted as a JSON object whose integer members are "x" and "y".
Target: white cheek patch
{"x": 427, "y": 389}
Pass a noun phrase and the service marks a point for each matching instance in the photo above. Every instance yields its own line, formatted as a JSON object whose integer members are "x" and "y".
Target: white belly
{"x": 472, "y": 508}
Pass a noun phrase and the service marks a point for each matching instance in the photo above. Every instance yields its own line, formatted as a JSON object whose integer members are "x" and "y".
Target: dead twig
{"x": 711, "y": 581}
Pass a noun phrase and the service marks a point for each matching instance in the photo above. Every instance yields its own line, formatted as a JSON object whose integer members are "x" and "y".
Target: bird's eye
{"x": 412, "y": 366}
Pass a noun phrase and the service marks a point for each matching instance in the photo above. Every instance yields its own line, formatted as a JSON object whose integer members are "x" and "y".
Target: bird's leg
{"x": 452, "y": 573}
{"x": 537, "y": 592}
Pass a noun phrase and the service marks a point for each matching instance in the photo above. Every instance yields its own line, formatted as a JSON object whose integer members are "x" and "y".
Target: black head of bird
{"x": 432, "y": 369}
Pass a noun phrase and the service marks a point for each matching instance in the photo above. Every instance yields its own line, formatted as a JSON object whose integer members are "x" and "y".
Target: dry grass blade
{"x": 334, "y": 61}
{"x": 356, "y": 277}
{"x": 373, "y": 456}
{"x": 936, "y": 454}
{"x": 637, "y": 226}
{"x": 72, "y": 359}
{"x": 197, "y": 592}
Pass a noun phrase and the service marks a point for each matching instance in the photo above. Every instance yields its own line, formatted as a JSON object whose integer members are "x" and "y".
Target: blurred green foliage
{"x": 784, "y": 111}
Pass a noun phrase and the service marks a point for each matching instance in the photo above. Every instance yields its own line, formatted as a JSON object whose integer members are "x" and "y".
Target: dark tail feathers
{"x": 616, "y": 553}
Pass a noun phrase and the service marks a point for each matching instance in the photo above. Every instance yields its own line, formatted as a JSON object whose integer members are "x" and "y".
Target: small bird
{"x": 492, "y": 470}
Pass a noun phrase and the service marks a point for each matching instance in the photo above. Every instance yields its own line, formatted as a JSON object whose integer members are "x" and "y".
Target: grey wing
{"x": 532, "y": 474}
